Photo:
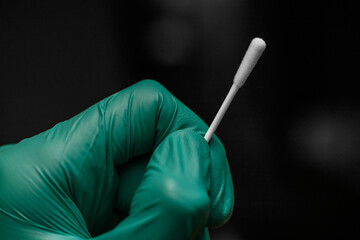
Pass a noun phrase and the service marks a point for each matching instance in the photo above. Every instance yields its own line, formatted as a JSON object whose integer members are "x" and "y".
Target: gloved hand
{"x": 91, "y": 176}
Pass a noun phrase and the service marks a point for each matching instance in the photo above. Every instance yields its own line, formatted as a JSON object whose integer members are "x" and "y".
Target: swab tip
{"x": 259, "y": 43}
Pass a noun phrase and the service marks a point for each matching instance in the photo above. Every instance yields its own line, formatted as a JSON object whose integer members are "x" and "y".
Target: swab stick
{"x": 252, "y": 55}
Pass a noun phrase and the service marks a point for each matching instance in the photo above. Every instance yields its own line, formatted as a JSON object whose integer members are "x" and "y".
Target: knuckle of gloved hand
{"x": 150, "y": 94}
{"x": 143, "y": 91}
{"x": 152, "y": 87}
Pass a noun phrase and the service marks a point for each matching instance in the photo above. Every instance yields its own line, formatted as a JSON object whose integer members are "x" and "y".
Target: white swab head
{"x": 252, "y": 55}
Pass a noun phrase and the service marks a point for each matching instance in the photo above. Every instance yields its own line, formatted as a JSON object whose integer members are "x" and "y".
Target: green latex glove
{"x": 133, "y": 166}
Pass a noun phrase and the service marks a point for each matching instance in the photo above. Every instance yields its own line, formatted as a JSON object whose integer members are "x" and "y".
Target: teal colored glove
{"x": 133, "y": 166}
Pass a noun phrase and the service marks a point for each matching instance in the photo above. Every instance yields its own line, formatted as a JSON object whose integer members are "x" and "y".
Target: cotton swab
{"x": 252, "y": 55}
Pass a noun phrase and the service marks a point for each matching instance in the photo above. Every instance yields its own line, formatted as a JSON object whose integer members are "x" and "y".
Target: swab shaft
{"x": 220, "y": 114}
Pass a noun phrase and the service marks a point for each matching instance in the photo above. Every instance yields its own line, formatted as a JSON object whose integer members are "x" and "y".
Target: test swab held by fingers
{"x": 252, "y": 55}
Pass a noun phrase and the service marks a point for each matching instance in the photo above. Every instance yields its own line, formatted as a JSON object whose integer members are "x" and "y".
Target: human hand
{"x": 72, "y": 181}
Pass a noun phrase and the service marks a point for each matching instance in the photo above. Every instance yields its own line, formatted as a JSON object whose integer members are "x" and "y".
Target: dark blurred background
{"x": 292, "y": 133}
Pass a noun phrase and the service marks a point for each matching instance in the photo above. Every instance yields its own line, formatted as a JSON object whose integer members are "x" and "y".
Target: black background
{"x": 292, "y": 134}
